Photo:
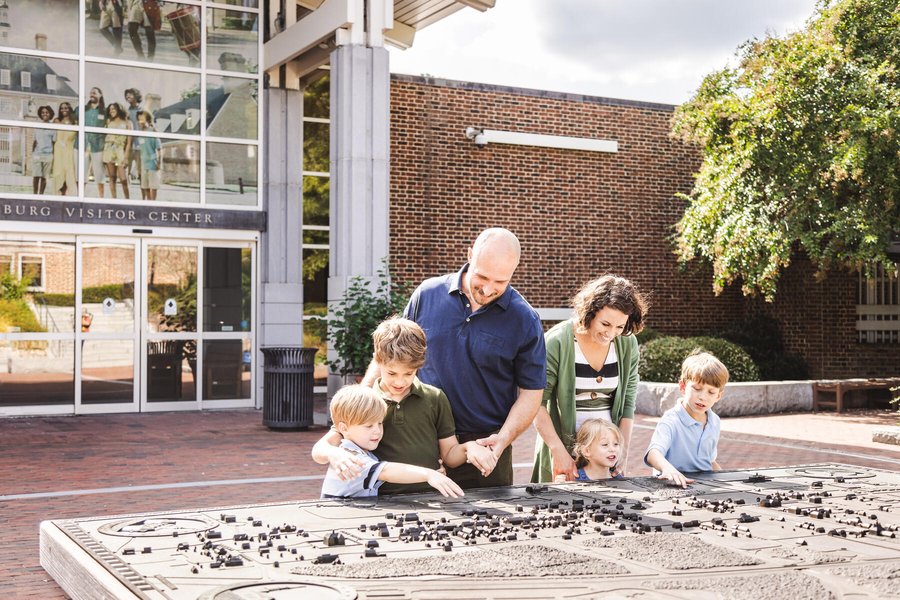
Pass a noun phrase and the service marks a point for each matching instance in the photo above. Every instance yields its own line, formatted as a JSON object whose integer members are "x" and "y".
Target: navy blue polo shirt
{"x": 480, "y": 359}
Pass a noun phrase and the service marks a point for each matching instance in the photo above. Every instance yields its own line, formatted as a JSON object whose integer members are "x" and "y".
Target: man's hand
{"x": 675, "y": 476}
{"x": 444, "y": 485}
{"x": 345, "y": 464}
{"x": 495, "y": 442}
{"x": 481, "y": 457}
{"x": 563, "y": 465}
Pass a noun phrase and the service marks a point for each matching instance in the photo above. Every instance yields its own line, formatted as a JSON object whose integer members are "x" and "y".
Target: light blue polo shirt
{"x": 684, "y": 442}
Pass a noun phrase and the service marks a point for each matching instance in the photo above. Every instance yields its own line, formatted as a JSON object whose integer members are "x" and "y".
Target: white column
{"x": 280, "y": 249}
{"x": 360, "y": 153}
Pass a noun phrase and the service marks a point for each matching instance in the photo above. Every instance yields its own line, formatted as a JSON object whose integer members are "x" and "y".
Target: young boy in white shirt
{"x": 357, "y": 413}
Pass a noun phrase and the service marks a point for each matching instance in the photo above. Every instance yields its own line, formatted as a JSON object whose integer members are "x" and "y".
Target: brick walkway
{"x": 64, "y": 467}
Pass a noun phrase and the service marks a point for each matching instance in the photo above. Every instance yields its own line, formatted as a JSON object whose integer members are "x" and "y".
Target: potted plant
{"x": 364, "y": 305}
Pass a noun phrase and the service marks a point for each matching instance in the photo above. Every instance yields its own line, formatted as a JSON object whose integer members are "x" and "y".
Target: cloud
{"x": 651, "y": 50}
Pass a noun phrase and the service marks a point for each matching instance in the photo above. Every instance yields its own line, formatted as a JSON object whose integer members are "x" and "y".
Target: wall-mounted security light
{"x": 476, "y": 135}
{"x": 482, "y": 137}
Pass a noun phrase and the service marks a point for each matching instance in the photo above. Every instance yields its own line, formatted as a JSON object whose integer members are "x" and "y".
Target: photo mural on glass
{"x": 39, "y": 25}
{"x": 232, "y": 41}
{"x": 231, "y": 174}
{"x": 166, "y": 33}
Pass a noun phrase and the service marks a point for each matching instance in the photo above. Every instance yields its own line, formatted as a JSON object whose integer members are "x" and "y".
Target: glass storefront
{"x": 150, "y": 106}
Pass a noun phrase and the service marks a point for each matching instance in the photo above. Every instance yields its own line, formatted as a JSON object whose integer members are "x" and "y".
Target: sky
{"x": 647, "y": 50}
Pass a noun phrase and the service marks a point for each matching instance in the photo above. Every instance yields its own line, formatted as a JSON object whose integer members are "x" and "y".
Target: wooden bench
{"x": 839, "y": 387}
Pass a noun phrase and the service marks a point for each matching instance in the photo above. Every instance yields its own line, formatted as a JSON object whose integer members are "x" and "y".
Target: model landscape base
{"x": 811, "y": 531}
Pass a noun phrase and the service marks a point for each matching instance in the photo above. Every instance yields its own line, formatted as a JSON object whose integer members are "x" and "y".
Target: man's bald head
{"x": 492, "y": 260}
{"x": 498, "y": 242}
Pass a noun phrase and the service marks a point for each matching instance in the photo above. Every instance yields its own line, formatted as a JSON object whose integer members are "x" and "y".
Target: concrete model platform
{"x": 813, "y": 531}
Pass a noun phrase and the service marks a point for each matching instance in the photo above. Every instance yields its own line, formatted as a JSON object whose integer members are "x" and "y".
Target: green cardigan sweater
{"x": 559, "y": 395}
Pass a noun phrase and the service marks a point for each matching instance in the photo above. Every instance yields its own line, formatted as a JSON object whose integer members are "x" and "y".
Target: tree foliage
{"x": 801, "y": 150}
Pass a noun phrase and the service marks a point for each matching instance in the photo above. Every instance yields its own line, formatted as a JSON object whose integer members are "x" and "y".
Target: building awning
{"x": 306, "y": 44}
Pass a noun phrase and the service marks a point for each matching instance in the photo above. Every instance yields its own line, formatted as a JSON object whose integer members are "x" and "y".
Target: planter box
{"x": 740, "y": 399}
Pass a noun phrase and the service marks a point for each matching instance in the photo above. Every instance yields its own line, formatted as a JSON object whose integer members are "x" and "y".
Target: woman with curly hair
{"x": 592, "y": 372}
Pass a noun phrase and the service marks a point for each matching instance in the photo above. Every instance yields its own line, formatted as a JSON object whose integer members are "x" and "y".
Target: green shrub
{"x": 91, "y": 295}
{"x": 661, "y": 358}
{"x": 648, "y": 334}
{"x": 13, "y": 288}
{"x": 356, "y": 316}
{"x": 740, "y": 365}
{"x": 16, "y": 313}
{"x": 55, "y": 299}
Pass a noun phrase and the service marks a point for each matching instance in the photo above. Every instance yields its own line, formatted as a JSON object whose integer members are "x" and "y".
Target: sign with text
{"x": 118, "y": 214}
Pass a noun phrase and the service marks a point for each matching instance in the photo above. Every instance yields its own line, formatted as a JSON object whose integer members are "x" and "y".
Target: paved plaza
{"x": 67, "y": 467}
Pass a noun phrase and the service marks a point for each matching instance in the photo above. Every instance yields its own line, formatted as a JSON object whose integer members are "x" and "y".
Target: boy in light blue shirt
{"x": 686, "y": 438}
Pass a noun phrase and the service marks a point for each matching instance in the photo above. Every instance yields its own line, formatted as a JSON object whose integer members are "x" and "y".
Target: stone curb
{"x": 740, "y": 399}
{"x": 887, "y": 435}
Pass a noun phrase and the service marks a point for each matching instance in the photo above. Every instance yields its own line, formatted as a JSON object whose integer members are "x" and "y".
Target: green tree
{"x": 801, "y": 150}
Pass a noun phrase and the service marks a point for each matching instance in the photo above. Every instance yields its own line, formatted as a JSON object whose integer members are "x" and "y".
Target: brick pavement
{"x": 228, "y": 458}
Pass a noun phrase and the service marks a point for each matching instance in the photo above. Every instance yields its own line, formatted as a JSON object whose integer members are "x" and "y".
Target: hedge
{"x": 661, "y": 358}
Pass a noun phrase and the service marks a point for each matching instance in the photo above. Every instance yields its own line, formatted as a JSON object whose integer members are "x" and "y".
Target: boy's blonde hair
{"x": 589, "y": 431}
{"x": 401, "y": 340}
{"x": 357, "y": 404}
{"x": 704, "y": 368}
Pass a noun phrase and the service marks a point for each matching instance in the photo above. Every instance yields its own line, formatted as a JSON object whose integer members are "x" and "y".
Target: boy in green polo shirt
{"x": 418, "y": 428}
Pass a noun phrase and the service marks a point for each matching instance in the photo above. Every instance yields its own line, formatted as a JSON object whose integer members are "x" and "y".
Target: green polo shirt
{"x": 412, "y": 428}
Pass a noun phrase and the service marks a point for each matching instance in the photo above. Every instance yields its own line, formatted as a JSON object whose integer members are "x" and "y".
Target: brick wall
{"x": 581, "y": 214}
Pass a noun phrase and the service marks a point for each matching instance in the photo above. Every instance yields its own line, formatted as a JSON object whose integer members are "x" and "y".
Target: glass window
{"x": 315, "y": 200}
{"x": 27, "y": 160}
{"x": 142, "y": 167}
{"x": 316, "y": 98}
{"x": 31, "y": 268}
{"x": 6, "y": 267}
{"x": 172, "y": 98}
{"x": 315, "y": 146}
{"x": 231, "y": 174}
{"x": 37, "y": 372}
{"x": 47, "y": 271}
{"x": 226, "y": 375}
{"x": 172, "y": 288}
{"x": 107, "y": 371}
{"x": 231, "y": 105}
{"x": 57, "y": 19}
{"x": 243, "y": 3}
{"x": 154, "y": 31}
{"x": 226, "y": 289}
{"x": 33, "y": 75}
{"x": 315, "y": 302}
{"x": 232, "y": 41}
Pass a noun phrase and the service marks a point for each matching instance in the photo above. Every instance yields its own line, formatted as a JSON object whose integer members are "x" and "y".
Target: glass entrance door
{"x": 106, "y": 327}
{"x": 172, "y": 340}
{"x": 198, "y": 325}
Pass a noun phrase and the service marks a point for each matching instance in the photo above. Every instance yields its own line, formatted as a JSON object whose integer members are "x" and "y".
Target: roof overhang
{"x": 308, "y": 34}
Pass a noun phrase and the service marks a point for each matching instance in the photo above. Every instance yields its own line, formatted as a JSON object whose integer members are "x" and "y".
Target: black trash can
{"x": 288, "y": 387}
